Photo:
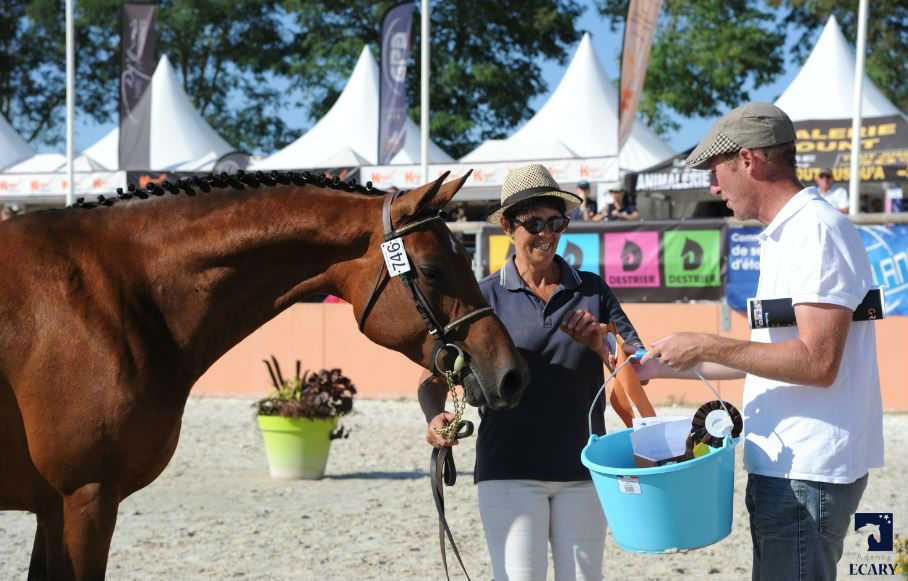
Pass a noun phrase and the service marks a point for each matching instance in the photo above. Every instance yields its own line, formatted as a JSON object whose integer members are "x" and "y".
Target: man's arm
{"x": 812, "y": 358}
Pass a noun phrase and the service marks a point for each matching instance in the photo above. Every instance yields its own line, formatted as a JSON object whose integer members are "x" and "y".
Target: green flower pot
{"x": 297, "y": 448}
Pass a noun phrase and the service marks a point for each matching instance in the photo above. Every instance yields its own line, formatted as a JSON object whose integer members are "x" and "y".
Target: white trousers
{"x": 521, "y": 517}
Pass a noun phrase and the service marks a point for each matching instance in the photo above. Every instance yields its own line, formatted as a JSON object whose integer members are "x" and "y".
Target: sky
{"x": 607, "y": 45}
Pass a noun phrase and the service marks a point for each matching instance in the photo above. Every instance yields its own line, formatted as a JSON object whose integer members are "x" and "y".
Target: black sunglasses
{"x": 825, "y": 175}
{"x": 556, "y": 224}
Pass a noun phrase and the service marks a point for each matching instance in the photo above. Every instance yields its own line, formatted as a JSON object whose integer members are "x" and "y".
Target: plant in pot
{"x": 301, "y": 417}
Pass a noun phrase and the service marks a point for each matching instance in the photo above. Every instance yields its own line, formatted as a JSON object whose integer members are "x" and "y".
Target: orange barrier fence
{"x": 325, "y": 336}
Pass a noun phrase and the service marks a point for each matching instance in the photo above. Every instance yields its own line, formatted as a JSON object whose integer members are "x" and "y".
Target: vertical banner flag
{"x": 395, "y": 51}
{"x": 137, "y": 60}
{"x": 642, "y": 17}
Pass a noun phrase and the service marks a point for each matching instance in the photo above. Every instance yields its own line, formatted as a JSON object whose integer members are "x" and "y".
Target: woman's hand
{"x": 437, "y": 440}
{"x": 582, "y": 326}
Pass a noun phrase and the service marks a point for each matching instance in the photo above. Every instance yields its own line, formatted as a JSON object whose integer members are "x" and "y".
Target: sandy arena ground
{"x": 215, "y": 513}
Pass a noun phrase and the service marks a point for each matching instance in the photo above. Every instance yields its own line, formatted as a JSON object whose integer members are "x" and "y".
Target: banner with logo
{"x": 743, "y": 266}
{"x": 137, "y": 61}
{"x": 827, "y": 144}
{"x": 887, "y": 248}
{"x": 642, "y": 17}
{"x": 492, "y": 174}
{"x": 395, "y": 52}
{"x": 660, "y": 261}
{"x": 25, "y": 187}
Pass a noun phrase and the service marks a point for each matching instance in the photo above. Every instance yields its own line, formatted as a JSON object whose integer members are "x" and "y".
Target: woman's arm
{"x": 432, "y": 395}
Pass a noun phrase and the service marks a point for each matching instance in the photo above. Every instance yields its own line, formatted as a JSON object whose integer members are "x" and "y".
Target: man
{"x": 812, "y": 405}
{"x": 588, "y": 209}
{"x": 837, "y": 197}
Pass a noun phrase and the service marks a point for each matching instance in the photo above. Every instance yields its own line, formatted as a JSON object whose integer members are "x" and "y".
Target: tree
{"x": 485, "y": 64}
{"x": 231, "y": 55}
{"x": 31, "y": 65}
{"x": 706, "y": 52}
{"x": 886, "y": 61}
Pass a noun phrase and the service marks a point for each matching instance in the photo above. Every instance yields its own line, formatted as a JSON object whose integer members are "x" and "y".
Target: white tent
{"x": 53, "y": 162}
{"x": 13, "y": 148}
{"x": 824, "y": 88}
{"x": 580, "y": 119}
{"x": 348, "y": 133}
{"x": 180, "y": 137}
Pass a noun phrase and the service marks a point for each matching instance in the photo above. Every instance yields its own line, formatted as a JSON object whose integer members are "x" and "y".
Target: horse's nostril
{"x": 511, "y": 386}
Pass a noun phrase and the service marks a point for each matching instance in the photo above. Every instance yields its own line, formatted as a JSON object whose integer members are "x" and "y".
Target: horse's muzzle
{"x": 502, "y": 391}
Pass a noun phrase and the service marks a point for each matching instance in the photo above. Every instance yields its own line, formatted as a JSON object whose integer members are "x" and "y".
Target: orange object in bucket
{"x": 627, "y": 388}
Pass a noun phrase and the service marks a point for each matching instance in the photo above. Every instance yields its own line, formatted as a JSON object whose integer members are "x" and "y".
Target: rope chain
{"x": 460, "y": 404}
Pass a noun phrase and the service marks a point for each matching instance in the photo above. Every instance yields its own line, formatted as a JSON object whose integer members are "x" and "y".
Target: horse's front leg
{"x": 47, "y": 560}
{"x": 89, "y": 518}
{"x": 37, "y": 566}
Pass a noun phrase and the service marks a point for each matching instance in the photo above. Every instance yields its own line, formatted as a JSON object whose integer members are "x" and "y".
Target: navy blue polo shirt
{"x": 541, "y": 438}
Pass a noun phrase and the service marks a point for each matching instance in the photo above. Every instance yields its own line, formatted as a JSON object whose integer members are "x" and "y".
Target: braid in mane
{"x": 238, "y": 181}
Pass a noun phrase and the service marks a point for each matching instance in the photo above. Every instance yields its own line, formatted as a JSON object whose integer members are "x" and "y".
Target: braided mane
{"x": 236, "y": 181}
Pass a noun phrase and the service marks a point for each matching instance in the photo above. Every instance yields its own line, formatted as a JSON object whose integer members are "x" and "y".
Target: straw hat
{"x": 530, "y": 181}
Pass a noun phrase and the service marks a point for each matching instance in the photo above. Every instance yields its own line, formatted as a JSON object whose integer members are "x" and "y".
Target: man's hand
{"x": 584, "y": 328}
{"x": 680, "y": 351}
{"x": 437, "y": 440}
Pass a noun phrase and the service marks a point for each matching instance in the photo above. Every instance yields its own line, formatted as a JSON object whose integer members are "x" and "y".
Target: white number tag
{"x": 395, "y": 256}
{"x": 629, "y": 484}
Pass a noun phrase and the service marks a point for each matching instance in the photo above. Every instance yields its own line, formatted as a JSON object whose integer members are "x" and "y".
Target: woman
{"x": 532, "y": 487}
{"x": 621, "y": 208}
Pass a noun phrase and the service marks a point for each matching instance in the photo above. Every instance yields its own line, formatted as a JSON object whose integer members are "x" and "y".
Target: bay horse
{"x": 108, "y": 316}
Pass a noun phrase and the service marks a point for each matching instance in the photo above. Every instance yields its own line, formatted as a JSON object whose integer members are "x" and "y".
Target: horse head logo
{"x": 573, "y": 255}
{"x": 631, "y": 256}
{"x": 877, "y": 527}
{"x": 691, "y": 255}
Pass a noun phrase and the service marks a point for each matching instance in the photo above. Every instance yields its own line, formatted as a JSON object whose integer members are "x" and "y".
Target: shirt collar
{"x": 510, "y": 279}
{"x": 790, "y": 208}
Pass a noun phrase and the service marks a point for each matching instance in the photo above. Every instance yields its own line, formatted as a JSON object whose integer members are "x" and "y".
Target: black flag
{"x": 395, "y": 51}
{"x": 137, "y": 48}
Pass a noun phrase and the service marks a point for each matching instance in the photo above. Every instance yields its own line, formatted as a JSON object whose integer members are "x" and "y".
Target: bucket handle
{"x": 639, "y": 354}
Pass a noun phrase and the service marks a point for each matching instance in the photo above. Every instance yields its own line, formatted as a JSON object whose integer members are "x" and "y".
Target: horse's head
{"x": 444, "y": 288}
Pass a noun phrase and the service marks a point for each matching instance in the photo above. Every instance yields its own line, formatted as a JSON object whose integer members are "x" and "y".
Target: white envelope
{"x": 660, "y": 439}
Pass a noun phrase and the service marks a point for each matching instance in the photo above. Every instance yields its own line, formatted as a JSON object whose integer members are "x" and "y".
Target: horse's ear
{"x": 411, "y": 203}
{"x": 447, "y": 191}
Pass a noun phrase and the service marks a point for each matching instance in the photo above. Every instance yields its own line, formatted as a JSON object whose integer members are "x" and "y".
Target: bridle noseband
{"x": 436, "y": 329}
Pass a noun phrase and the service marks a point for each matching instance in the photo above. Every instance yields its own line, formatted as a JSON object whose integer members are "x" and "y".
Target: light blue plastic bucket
{"x": 678, "y": 506}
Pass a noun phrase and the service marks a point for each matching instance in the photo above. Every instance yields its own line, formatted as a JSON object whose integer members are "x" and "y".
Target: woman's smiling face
{"x": 537, "y": 250}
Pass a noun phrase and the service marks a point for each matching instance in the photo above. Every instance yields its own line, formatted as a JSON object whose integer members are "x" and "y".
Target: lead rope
{"x": 441, "y": 466}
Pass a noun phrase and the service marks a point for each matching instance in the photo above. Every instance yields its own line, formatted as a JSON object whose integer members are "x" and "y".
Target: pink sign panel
{"x": 632, "y": 259}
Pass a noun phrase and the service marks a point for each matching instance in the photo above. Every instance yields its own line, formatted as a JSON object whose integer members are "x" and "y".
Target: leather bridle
{"x": 436, "y": 329}
{"x": 442, "y": 468}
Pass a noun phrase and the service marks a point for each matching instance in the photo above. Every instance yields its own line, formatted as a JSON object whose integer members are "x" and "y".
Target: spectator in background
{"x": 6, "y": 213}
{"x": 837, "y": 197}
{"x": 621, "y": 208}
{"x": 589, "y": 208}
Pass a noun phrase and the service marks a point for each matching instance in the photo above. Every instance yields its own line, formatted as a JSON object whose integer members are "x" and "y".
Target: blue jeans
{"x": 798, "y": 527}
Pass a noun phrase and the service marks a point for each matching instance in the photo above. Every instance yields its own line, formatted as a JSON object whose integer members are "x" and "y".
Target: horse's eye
{"x": 430, "y": 272}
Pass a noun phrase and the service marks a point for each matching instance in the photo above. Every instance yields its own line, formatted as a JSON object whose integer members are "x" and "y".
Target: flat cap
{"x": 754, "y": 126}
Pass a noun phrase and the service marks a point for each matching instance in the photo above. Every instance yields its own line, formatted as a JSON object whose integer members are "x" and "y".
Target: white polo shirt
{"x": 813, "y": 254}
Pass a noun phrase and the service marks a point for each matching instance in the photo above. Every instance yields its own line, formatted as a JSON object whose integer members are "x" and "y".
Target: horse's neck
{"x": 227, "y": 266}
